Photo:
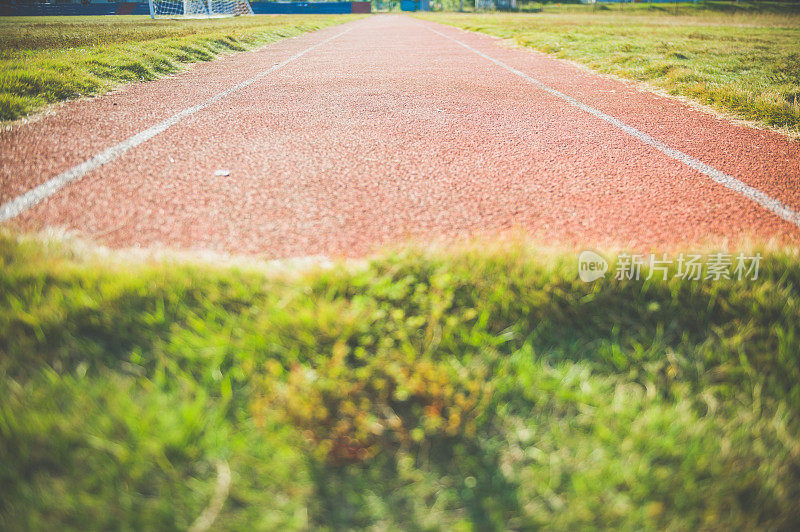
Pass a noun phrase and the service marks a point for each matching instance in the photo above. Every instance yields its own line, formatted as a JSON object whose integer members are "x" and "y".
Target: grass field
{"x": 50, "y": 59}
{"x": 742, "y": 59}
{"x": 441, "y": 390}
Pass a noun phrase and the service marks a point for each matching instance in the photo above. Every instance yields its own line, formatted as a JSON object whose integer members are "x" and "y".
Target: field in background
{"x": 740, "y": 58}
{"x": 742, "y": 61}
{"x": 50, "y": 59}
{"x": 444, "y": 390}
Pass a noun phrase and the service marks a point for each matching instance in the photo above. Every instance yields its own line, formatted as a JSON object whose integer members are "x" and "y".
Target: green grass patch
{"x": 447, "y": 390}
{"x": 49, "y": 59}
{"x": 744, "y": 61}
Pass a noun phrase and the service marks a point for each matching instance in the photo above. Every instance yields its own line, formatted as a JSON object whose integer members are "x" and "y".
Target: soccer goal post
{"x": 199, "y": 8}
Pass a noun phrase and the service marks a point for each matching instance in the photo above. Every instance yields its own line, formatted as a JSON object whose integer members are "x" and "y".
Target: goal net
{"x": 199, "y": 8}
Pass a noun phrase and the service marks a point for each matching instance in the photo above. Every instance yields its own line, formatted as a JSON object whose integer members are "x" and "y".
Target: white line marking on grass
{"x": 776, "y": 206}
{"x": 209, "y": 515}
{"x": 45, "y": 190}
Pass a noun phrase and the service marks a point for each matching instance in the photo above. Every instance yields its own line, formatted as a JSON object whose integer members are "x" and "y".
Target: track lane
{"x": 774, "y": 205}
{"x": 73, "y": 132}
{"x": 763, "y": 159}
{"x": 390, "y": 135}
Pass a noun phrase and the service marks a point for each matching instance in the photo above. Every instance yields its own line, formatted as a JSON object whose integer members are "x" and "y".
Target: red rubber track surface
{"x": 392, "y": 132}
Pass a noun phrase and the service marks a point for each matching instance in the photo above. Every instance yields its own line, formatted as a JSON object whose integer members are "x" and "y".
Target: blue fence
{"x": 138, "y": 8}
{"x": 61, "y": 10}
{"x": 264, "y": 8}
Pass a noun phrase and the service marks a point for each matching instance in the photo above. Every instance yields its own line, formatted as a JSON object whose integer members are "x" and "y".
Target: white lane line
{"x": 776, "y": 206}
{"x": 45, "y": 190}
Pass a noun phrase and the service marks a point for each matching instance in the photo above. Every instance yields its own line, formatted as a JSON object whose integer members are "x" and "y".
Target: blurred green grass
{"x": 49, "y": 59}
{"x": 740, "y": 58}
{"x": 463, "y": 389}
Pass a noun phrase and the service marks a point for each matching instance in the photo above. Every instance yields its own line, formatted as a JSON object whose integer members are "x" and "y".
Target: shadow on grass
{"x": 415, "y": 491}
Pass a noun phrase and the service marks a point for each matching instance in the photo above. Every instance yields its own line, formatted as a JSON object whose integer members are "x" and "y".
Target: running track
{"x": 387, "y": 129}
